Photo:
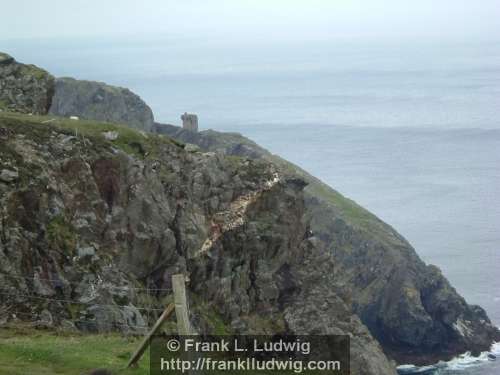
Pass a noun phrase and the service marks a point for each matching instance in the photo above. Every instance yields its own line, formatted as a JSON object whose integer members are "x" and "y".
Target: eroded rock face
{"x": 24, "y": 88}
{"x": 410, "y": 307}
{"x": 98, "y": 101}
{"x": 95, "y": 225}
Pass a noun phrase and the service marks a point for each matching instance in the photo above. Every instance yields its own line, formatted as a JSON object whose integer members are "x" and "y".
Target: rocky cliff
{"x": 24, "y": 88}
{"x": 409, "y": 306}
{"x": 98, "y": 101}
{"x": 96, "y": 217}
{"x": 87, "y": 223}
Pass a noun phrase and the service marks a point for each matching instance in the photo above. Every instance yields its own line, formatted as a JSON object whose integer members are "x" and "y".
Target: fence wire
{"x": 65, "y": 282}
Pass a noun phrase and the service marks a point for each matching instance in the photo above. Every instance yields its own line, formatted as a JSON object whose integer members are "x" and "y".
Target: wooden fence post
{"x": 181, "y": 306}
{"x": 181, "y": 311}
{"x": 144, "y": 344}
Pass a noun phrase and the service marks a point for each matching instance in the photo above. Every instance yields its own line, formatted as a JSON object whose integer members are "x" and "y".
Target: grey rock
{"x": 24, "y": 88}
{"x": 5, "y": 59}
{"x": 235, "y": 226}
{"x": 111, "y": 135}
{"x": 268, "y": 247}
{"x": 7, "y": 175}
{"x": 189, "y": 147}
{"x": 107, "y": 318}
{"x": 45, "y": 320}
{"x": 100, "y": 102}
{"x": 313, "y": 285}
{"x": 87, "y": 251}
{"x": 68, "y": 326}
{"x": 42, "y": 286}
{"x": 407, "y": 305}
{"x": 134, "y": 319}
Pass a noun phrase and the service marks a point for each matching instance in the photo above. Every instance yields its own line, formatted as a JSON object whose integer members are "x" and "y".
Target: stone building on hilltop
{"x": 189, "y": 122}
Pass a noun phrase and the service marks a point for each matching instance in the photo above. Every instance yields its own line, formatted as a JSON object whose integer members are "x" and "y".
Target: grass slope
{"x": 24, "y": 350}
{"x": 130, "y": 141}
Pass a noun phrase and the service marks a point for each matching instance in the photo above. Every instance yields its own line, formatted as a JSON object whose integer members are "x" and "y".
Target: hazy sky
{"x": 252, "y": 19}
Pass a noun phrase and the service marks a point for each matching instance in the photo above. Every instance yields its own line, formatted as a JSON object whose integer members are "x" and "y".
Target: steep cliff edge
{"x": 89, "y": 221}
{"x": 24, "y": 88}
{"x": 30, "y": 89}
{"x": 95, "y": 213}
{"x": 408, "y": 306}
{"x": 101, "y": 102}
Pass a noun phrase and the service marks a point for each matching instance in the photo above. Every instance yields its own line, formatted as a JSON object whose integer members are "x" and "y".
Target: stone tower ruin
{"x": 189, "y": 122}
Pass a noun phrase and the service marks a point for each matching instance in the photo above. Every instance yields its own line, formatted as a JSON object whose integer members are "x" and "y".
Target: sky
{"x": 252, "y": 19}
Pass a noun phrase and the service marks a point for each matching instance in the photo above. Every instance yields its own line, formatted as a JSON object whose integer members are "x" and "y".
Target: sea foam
{"x": 461, "y": 362}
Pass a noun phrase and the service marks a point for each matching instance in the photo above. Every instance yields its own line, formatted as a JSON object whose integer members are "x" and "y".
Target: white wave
{"x": 406, "y": 367}
{"x": 495, "y": 348}
{"x": 461, "y": 362}
{"x": 466, "y": 360}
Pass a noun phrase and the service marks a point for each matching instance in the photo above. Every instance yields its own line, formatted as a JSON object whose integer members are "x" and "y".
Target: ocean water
{"x": 410, "y": 130}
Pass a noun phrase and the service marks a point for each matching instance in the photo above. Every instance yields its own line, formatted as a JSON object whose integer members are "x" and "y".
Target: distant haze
{"x": 252, "y": 20}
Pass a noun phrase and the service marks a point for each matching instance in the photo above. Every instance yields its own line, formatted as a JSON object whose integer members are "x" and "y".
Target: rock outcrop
{"x": 101, "y": 102}
{"x": 93, "y": 224}
{"x": 408, "y": 306}
{"x": 24, "y": 88}
{"x": 90, "y": 222}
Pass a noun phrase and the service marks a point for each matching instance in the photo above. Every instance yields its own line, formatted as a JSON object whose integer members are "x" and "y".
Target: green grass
{"x": 332, "y": 201}
{"x": 34, "y": 71}
{"x": 129, "y": 140}
{"x": 349, "y": 208}
{"x": 61, "y": 235}
{"x": 216, "y": 321}
{"x": 27, "y": 351}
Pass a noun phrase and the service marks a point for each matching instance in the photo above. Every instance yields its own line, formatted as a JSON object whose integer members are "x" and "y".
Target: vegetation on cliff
{"x": 99, "y": 101}
{"x": 98, "y": 217}
{"x": 24, "y": 88}
{"x": 410, "y": 307}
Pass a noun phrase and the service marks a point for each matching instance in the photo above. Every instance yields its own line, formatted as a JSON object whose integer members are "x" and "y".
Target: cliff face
{"x": 408, "y": 306}
{"x": 24, "y": 88}
{"x": 100, "y": 102}
{"x": 88, "y": 222}
{"x": 93, "y": 214}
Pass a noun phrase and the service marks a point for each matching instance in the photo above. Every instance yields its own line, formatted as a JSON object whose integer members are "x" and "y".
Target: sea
{"x": 409, "y": 129}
